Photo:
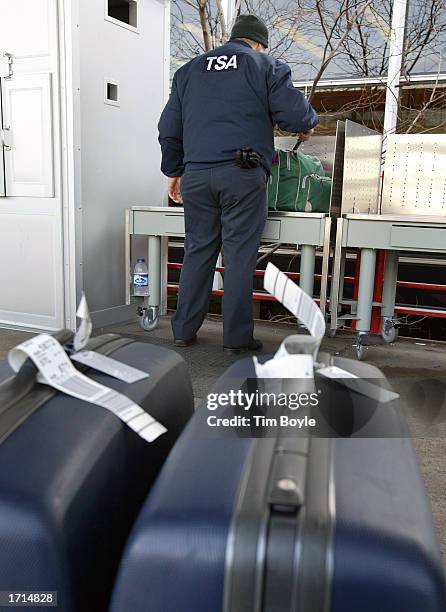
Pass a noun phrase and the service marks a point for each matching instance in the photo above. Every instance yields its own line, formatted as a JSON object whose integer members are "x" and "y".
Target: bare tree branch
{"x": 328, "y": 57}
{"x": 202, "y": 11}
{"x": 330, "y": 38}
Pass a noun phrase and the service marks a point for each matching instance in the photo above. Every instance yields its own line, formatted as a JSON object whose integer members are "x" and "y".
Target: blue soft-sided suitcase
{"x": 73, "y": 476}
{"x": 222, "y": 530}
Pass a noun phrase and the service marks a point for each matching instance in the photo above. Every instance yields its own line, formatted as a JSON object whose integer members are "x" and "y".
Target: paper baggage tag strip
{"x": 299, "y": 303}
{"x": 360, "y": 385}
{"x": 83, "y": 333}
{"x": 56, "y": 370}
{"x": 109, "y": 366}
{"x": 285, "y": 366}
{"x": 335, "y": 372}
{"x": 289, "y": 365}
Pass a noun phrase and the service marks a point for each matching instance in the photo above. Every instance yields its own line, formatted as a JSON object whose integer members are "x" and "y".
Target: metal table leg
{"x": 164, "y": 275}
{"x": 365, "y": 297}
{"x": 341, "y": 279}
{"x": 336, "y": 278}
{"x": 154, "y": 266}
{"x": 388, "y": 330}
{"x": 325, "y": 262}
{"x": 307, "y": 263}
{"x": 218, "y": 281}
{"x": 149, "y": 314}
{"x": 365, "y": 290}
{"x": 128, "y": 248}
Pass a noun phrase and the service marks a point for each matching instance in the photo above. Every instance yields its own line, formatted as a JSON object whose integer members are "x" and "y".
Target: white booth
{"x": 83, "y": 83}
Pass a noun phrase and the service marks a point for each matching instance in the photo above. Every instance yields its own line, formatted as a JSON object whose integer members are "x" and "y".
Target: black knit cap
{"x": 250, "y": 26}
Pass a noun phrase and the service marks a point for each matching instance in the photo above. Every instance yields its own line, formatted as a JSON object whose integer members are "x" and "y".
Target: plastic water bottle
{"x": 141, "y": 279}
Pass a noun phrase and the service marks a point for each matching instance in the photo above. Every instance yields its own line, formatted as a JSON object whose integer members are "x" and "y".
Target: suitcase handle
{"x": 286, "y": 494}
{"x": 288, "y": 474}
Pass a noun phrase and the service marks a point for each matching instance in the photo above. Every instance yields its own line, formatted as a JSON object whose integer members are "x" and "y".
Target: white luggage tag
{"x": 286, "y": 364}
{"x": 109, "y": 366}
{"x": 99, "y": 362}
{"x": 359, "y": 385}
{"x": 299, "y": 303}
{"x": 56, "y": 370}
{"x": 83, "y": 333}
{"x": 296, "y": 355}
{"x": 295, "y": 364}
{"x": 287, "y": 372}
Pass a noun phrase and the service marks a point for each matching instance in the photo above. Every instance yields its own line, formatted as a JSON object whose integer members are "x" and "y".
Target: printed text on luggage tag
{"x": 57, "y": 371}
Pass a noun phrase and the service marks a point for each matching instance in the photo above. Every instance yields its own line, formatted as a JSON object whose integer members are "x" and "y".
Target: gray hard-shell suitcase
{"x": 73, "y": 476}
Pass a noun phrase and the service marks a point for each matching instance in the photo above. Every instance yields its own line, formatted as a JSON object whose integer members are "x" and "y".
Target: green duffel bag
{"x": 318, "y": 193}
{"x": 298, "y": 183}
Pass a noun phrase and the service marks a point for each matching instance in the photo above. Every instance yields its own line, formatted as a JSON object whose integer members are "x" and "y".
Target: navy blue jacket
{"x": 228, "y": 99}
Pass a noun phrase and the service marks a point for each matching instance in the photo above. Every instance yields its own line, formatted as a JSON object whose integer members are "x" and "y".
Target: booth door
{"x": 31, "y": 247}
{"x": 2, "y": 158}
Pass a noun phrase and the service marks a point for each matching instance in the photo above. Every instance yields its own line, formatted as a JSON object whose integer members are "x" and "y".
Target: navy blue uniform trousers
{"x": 223, "y": 205}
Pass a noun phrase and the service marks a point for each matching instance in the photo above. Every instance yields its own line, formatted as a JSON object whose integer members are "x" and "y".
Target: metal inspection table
{"x": 408, "y": 213}
{"x": 391, "y": 233}
{"x": 308, "y": 231}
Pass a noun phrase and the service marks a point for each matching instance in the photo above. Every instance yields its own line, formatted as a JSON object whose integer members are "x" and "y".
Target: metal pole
{"x": 336, "y": 276}
{"x": 154, "y": 268}
{"x": 164, "y": 275}
{"x": 128, "y": 248}
{"x": 341, "y": 279}
{"x": 228, "y": 7}
{"x": 325, "y": 263}
{"x": 307, "y": 262}
{"x": 365, "y": 290}
{"x": 217, "y": 284}
{"x": 396, "y": 51}
{"x": 389, "y": 285}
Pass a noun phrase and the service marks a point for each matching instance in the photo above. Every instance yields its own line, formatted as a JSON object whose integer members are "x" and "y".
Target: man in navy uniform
{"x": 217, "y": 139}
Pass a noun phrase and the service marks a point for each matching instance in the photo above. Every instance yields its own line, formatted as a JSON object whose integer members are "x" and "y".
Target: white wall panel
{"x": 28, "y": 269}
{"x": 120, "y": 150}
{"x": 27, "y": 114}
{"x": 25, "y": 27}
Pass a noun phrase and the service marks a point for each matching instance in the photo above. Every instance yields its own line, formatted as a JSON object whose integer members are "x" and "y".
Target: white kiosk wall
{"x": 120, "y": 151}
{"x": 79, "y": 145}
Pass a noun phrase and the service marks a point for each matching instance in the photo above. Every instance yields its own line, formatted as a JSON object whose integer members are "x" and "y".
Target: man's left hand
{"x": 305, "y": 136}
{"x": 173, "y": 189}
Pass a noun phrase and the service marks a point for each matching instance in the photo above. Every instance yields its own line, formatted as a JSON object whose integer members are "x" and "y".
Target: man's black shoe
{"x": 253, "y": 345}
{"x": 179, "y": 342}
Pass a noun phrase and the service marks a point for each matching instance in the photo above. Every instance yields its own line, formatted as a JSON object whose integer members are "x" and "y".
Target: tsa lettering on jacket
{"x": 221, "y": 62}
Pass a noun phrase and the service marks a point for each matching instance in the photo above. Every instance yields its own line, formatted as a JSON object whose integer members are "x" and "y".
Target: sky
{"x": 297, "y": 36}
